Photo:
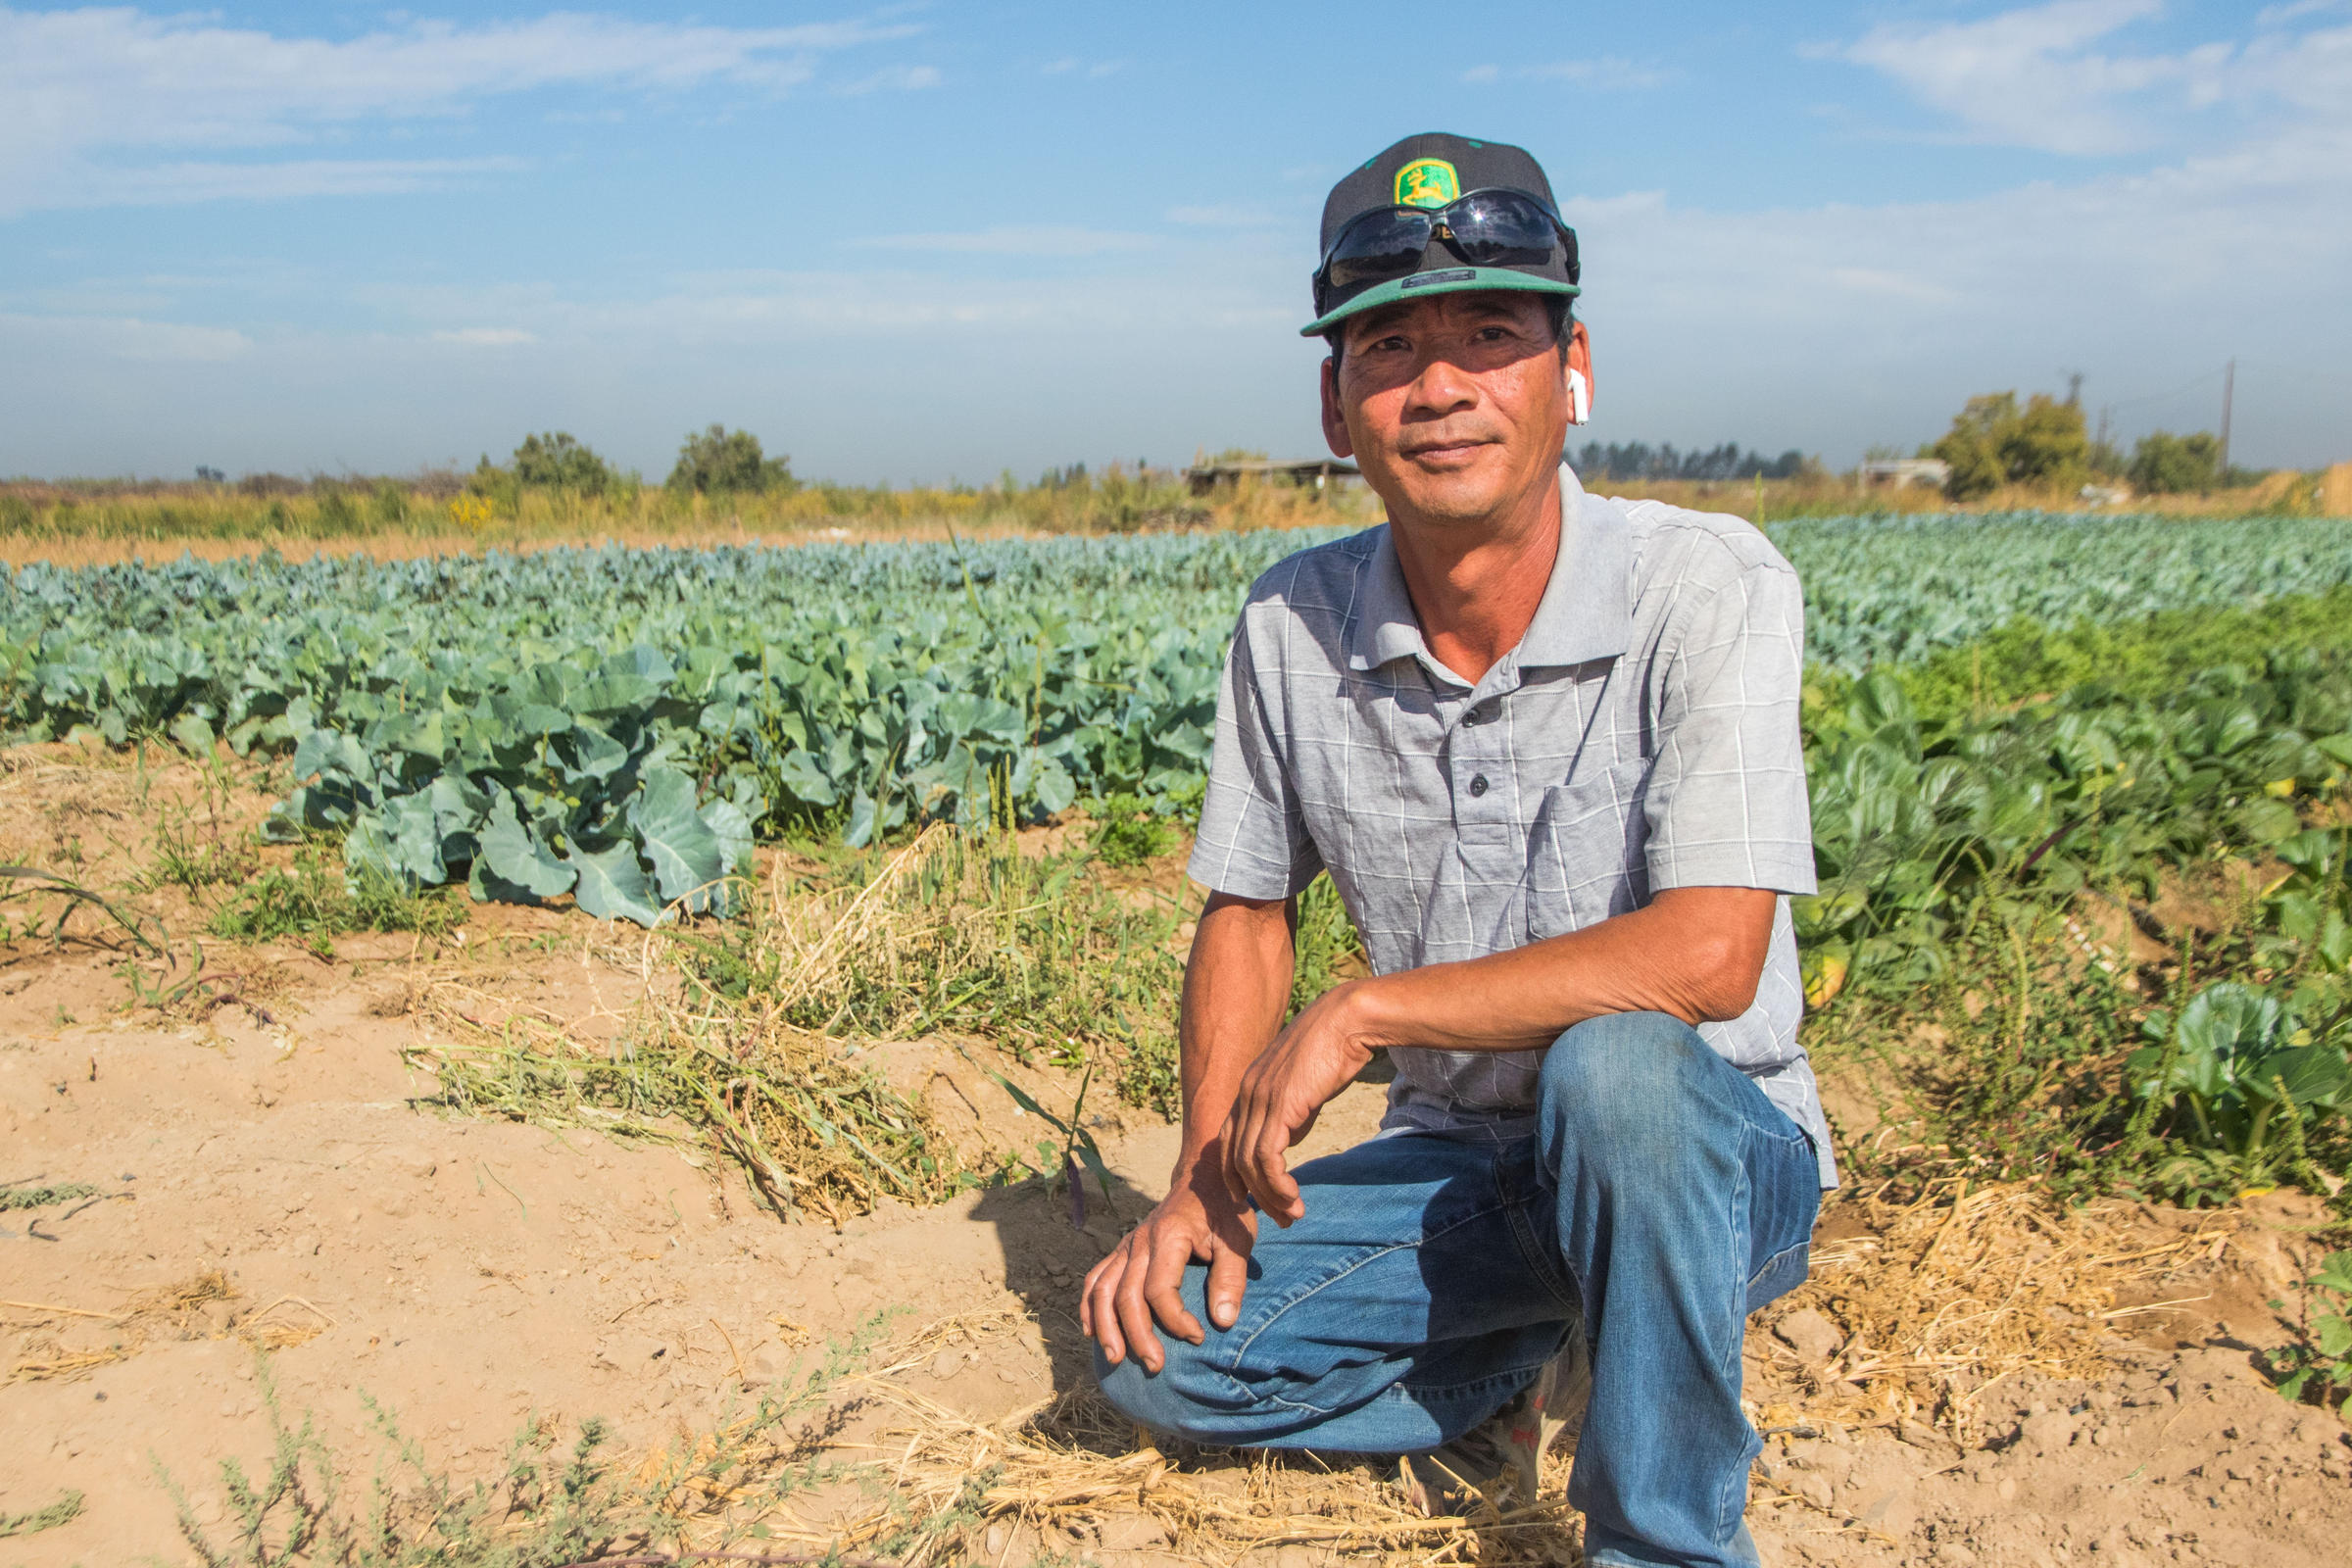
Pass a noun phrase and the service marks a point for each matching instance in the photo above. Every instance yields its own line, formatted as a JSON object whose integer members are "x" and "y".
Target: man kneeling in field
{"x": 1547, "y": 746}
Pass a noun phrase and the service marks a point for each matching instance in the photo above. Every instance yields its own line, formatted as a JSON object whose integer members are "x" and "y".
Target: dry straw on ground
{"x": 1964, "y": 1288}
{"x": 819, "y": 1133}
{"x": 66, "y": 1342}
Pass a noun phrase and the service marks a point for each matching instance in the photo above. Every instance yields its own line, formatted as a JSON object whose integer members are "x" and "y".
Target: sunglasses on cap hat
{"x": 1494, "y": 227}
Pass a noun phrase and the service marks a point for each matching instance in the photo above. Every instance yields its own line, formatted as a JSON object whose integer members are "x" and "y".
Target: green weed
{"x": 66, "y": 1509}
{"x": 2320, "y": 1361}
{"x": 25, "y": 1195}
{"x": 305, "y": 901}
{"x": 965, "y": 931}
{"x": 1077, "y": 1143}
{"x": 1128, "y": 832}
{"x": 546, "y": 1507}
{"x": 313, "y": 899}
{"x": 36, "y": 886}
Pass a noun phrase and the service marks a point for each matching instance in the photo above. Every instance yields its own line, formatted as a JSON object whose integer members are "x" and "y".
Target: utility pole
{"x": 2228, "y": 390}
{"x": 2073, "y": 389}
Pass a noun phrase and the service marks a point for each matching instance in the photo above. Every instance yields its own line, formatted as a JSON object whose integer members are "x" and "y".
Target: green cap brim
{"x": 1442, "y": 280}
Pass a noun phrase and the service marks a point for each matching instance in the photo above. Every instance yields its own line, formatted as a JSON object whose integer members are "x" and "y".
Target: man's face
{"x": 1454, "y": 406}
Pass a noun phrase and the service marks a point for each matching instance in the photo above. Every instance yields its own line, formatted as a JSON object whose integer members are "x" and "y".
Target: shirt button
{"x": 1478, "y": 785}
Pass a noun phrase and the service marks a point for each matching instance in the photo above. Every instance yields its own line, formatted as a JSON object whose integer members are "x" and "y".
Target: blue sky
{"x": 916, "y": 242}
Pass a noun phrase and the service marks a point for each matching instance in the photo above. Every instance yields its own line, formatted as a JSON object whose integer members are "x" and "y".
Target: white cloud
{"x": 1607, "y": 73}
{"x": 1833, "y": 327}
{"x": 1016, "y": 240}
{"x": 91, "y": 93}
{"x": 1896, "y": 285}
{"x": 2035, "y": 77}
{"x": 485, "y": 337}
{"x": 893, "y": 79}
{"x": 179, "y": 183}
{"x": 122, "y": 337}
{"x": 1223, "y": 216}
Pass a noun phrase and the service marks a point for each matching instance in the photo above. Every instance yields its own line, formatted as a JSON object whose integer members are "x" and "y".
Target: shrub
{"x": 1993, "y": 442}
{"x": 724, "y": 462}
{"x": 2166, "y": 464}
{"x": 556, "y": 461}
{"x": 494, "y": 484}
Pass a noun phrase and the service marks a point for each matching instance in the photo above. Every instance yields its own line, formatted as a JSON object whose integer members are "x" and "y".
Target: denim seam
{"x": 1557, "y": 1281}
{"x": 1741, "y": 1226}
{"x": 1276, "y": 1313}
{"x": 1403, "y": 1391}
{"x": 1775, "y": 1261}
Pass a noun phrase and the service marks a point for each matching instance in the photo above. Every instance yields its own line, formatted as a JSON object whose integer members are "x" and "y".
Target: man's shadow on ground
{"x": 1046, "y": 1256}
{"x": 1046, "y": 1259}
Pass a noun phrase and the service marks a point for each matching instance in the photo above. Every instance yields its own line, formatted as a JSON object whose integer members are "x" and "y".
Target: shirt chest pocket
{"x": 1584, "y": 854}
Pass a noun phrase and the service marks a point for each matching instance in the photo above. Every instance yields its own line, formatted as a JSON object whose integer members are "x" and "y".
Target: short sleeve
{"x": 1726, "y": 802}
{"x": 1253, "y": 841}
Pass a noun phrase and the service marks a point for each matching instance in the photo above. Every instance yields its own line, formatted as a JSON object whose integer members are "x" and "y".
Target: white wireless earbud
{"x": 1580, "y": 398}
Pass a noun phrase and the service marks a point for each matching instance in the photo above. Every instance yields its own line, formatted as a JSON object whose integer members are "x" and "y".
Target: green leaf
{"x": 612, "y": 885}
{"x": 2223, "y": 1028}
{"x": 1052, "y": 785}
{"x": 1021, "y": 1097}
{"x": 399, "y": 842}
{"x": 194, "y": 735}
{"x": 518, "y": 858}
{"x": 1084, "y": 1143}
{"x": 803, "y": 776}
{"x": 732, "y": 826}
{"x": 860, "y": 832}
{"x": 2268, "y": 821}
{"x": 2316, "y": 1076}
{"x": 687, "y": 858}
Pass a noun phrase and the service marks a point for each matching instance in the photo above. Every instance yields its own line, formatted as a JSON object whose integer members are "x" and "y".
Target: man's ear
{"x": 1335, "y": 424}
{"x": 1579, "y": 357}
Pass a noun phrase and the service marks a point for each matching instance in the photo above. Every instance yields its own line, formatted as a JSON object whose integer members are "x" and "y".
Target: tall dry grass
{"x": 80, "y": 523}
{"x": 84, "y": 523}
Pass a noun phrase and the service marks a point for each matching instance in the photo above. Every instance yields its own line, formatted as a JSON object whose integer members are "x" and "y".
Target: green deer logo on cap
{"x": 1427, "y": 183}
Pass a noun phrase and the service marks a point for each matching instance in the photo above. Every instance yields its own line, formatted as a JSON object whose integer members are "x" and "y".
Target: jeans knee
{"x": 1625, "y": 1078}
{"x": 1622, "y": 1057}
{"x": 1178, "y": 1398}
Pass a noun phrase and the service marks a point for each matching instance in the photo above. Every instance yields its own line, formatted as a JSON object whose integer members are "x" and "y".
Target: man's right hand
{"x": 1198, "y": 1222}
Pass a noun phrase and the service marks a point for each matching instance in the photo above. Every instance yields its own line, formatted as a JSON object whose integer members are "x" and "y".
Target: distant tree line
{"x": 716, "y": 462}
{"x": 1639, "y": 459}
{"x": 2044, "y": 444}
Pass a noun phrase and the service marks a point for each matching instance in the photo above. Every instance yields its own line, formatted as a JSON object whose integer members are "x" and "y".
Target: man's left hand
{"x": 1285, "y": 1088}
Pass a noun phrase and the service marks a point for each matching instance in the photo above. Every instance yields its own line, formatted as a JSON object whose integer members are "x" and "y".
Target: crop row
{"x": 616, "y": 724}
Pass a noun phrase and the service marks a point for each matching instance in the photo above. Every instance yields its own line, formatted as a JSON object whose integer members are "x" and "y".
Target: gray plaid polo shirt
{"x": 1641, "y": 736}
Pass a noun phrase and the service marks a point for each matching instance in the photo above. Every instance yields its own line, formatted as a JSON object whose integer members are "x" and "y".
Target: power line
{"x": 2159, "y": 397}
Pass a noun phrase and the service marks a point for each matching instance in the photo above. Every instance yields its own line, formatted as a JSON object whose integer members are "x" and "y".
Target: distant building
{"x": 1317, "y": 473}
{"x": 1903, "y": 472}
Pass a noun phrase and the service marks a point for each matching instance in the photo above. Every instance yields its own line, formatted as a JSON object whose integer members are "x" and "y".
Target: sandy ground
{"x": 274, "y": 1174}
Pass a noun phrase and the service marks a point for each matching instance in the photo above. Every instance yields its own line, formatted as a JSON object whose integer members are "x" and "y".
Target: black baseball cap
{"x": 1430, "y": 171}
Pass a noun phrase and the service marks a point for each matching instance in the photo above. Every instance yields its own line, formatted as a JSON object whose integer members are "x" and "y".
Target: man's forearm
{"x": 1237, "y": 986}
{"x": 1695, "y": 952}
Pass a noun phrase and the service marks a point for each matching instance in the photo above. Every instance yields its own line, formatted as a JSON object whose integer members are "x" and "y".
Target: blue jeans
{"x": 1661, "y": 1195}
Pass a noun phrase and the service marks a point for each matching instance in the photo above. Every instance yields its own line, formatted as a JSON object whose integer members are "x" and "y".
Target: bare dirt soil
{"x": 274, "y": 1178}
